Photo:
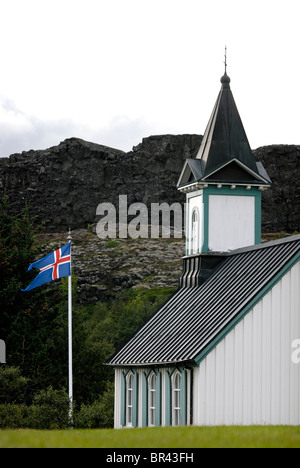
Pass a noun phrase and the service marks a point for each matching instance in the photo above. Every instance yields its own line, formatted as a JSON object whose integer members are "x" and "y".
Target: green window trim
{"x": 177, "y": 404}
{"x": 129, "y": 398}
{"x": 158, "y": 400}
{"x": 152, "y": 398}
{"x": 168, "y": 399}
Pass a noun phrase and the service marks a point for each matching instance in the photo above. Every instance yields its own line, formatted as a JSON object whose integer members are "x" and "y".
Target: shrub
{"x": 12, "y": 385}
{"x": 50, "y": 410}
{"x": 13, "y": 416}
{"x": 99, "y": 414}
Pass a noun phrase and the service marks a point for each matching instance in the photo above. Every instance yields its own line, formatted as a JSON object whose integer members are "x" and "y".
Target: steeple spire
{"x": 225, "y": 154}
{"x": 225, "y": 80}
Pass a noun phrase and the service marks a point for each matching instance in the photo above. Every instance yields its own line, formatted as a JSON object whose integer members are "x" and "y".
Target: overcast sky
{"x": 115, "y": 71}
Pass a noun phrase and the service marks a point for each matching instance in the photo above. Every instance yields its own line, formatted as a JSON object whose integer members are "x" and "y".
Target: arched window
{"x": 129, "y": 399}
{"x": 152, "y": 399}
{"x": 176, "y": 381}
{"x": 195, "y": 231}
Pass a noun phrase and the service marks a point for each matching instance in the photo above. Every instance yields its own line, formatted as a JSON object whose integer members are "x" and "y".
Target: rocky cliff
{"x": 63, "y": 185}
{"x": 281, "y": 203}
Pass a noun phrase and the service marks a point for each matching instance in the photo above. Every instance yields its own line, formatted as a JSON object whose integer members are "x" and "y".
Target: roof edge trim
{"x": 265, "y": 245}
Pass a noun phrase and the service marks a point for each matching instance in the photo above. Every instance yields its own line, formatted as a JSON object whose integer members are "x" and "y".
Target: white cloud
{"x": 111, "y": 70}
{"x": 20, "y": 132}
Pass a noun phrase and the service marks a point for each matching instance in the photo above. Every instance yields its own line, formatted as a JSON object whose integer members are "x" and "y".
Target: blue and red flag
{"x": 55, "y": 265}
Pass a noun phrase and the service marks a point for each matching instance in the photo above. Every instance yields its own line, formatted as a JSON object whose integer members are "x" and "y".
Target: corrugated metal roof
{"x": 194, "y": 317}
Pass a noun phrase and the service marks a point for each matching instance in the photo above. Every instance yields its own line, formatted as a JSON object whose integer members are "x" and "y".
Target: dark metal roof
{"x": 225, "y": 141}
{"x": 225, "y": 137}
{"x": 195, "y": 316}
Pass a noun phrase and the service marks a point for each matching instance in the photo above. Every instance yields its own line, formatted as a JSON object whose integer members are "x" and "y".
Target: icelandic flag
{"x": 55, "y": 265}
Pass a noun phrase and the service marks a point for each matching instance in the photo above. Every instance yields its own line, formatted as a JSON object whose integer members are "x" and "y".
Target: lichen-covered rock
{"x": 104, "y": 268}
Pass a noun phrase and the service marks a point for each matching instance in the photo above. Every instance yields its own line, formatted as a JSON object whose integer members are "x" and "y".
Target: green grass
{"x": 169, "y": 437}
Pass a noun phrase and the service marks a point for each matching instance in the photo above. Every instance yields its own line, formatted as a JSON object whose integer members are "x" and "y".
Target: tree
{"x": 29, "y": 322}
{"x": 12, "y": 385}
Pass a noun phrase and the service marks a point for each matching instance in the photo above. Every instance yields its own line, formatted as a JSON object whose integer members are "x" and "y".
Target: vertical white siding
{"x": 231, "y": 222}
{"x": 249, "y": 377}
{"x": 117, "y": 408}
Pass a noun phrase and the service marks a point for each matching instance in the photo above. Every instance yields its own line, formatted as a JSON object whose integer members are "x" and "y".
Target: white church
{"x": 219, "y": 351}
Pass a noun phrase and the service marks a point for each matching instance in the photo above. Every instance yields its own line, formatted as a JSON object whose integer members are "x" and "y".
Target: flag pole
{"x": 70, "y": 335}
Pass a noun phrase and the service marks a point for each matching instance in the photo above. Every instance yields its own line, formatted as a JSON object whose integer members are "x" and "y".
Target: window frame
{"x": 129, "y": 399}
{"x": 176, "y": 397}
{"x": 152, "y": 392}
{"x": 195, "y": 231}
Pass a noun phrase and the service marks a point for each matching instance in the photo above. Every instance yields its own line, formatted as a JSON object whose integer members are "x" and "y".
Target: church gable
{"x": 251, "y": 369}
{"x": 192, "y": 172}
{"x": 233, "y": 172}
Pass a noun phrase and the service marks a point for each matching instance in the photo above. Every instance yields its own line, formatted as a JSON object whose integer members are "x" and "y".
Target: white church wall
{"x": 250, "y": 377}
{"x": 118, "y": 399}
{"x": 231, "y": 222}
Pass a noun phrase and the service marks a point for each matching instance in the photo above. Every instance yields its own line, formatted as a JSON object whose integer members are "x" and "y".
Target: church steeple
{"x": 225, "y": 139}
{"x": 223, "y": 183}
{"x": 225, "y": 154}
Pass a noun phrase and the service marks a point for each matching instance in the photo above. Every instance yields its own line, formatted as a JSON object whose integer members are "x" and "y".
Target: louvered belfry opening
{"x": 198, "y": 268}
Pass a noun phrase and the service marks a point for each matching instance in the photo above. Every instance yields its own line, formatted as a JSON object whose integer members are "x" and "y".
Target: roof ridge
{"x": 264, "y": 245}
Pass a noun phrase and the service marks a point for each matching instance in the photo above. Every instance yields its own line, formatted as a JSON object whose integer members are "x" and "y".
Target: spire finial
{"x": 69, "y": 238}
{"x": 225, "y": 80}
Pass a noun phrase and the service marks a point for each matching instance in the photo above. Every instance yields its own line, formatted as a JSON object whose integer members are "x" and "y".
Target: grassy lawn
{"x": 168, "y": 437}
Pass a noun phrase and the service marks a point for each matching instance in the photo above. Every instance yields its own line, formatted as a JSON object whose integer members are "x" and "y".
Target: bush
{"x": 12, "y": 385}
{"x": 50, "y": 410}
{"x": 99, "y": 414}
{"x": 13, "y": 416}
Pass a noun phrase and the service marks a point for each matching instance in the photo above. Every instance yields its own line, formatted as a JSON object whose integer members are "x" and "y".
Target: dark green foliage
{"x": 34, "y": 327}
{"x": 13, "y": 416}
{"x": 50, "y": 410}
{"x": 99, "y": 414}
{"x": 12, "y": 385}
{"x": 28, "y": 321}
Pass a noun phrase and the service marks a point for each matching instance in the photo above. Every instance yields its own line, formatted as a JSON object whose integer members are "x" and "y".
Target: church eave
{"x": 200, "y": 185}
{"x": 256, "y": 178}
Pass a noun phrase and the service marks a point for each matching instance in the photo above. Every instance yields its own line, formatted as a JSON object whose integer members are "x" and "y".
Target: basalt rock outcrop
{"x": 281, "y": 203}
{"x": 63, "y": 185}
